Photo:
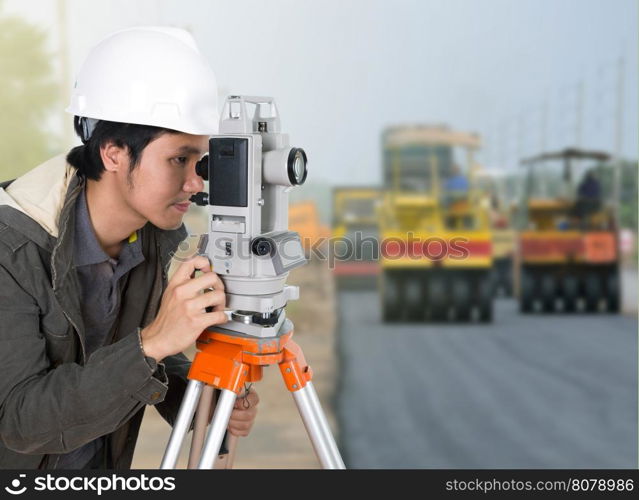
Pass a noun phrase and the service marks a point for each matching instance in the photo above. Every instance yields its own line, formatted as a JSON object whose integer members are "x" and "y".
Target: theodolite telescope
{"x": 251, "y": 169}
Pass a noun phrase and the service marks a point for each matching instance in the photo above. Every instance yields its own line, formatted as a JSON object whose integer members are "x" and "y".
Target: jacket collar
{"x": 34, "y": 201}
{"x": 41, "y": 206}
{"x": 40, "y": 194}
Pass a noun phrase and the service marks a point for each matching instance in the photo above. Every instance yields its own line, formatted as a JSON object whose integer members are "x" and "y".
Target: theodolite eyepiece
{"x": 202, "y": 167}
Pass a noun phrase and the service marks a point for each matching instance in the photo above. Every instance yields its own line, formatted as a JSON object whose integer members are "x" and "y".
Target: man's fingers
{"x": 238, "y": 416}
{"x": 196, "y": 285}
{"x": 241, "y": 422}
{"x": 243, "y": 414}
{"x": 240, "y": 431}
{"x": 187, "y": 268}
{"x": 215, "y": 299}
{"x": 213, "y": 318}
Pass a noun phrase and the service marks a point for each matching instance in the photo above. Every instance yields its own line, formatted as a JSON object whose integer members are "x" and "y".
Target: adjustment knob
{"x": 262, "y": 246}
{"x": 201, "y": 199}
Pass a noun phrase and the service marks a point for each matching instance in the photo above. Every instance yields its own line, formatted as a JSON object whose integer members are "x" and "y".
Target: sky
{"x": 524, "y": 74}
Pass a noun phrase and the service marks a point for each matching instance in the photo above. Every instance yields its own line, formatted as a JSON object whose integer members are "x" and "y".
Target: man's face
{"x": 159, "y": 188}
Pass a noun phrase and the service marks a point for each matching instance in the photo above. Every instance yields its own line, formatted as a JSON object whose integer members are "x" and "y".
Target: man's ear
{"x": 114, "y": 158}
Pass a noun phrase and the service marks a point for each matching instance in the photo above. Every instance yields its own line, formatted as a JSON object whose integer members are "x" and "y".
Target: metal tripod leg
{"x": 201, "y": 422}
{"x": 200, "y": 425}
{"x": 182, "y": 424}
{"x": 317, "y": 427}
{"x": 217, "y": 428}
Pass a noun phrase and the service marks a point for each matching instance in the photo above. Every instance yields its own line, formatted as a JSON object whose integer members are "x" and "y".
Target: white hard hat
{"x": 148, "y": 76}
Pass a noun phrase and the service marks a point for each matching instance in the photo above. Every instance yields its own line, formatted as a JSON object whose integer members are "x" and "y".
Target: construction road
{"x": 535, "y": 391}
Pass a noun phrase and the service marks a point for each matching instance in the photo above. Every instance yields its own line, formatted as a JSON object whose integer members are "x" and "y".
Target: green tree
{"x": 28, "y": 92}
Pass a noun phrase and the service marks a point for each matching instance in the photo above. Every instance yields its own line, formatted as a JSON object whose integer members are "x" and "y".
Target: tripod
{"x": 226, "y": 360}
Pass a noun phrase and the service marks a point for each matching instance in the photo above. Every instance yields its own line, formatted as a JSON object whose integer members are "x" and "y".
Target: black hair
{"x": 86, "y": 158}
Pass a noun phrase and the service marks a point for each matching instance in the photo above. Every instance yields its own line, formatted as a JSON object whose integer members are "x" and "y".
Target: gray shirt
{"x": 102, "y": 280}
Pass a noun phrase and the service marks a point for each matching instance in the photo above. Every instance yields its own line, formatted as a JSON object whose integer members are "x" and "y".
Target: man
{"x": 456, "y": 182}
{"x": 455, "y": 186}
{"x": 91, "y": 330}
{"x": 589, "y": 188}
{"x": 588, "y": 197}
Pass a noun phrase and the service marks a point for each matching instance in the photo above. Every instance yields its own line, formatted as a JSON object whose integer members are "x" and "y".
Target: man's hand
{"x": 182, "y": 316}
{"x": 243, "y": 414}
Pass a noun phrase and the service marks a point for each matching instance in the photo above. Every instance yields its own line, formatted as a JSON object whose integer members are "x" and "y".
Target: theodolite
{"x": 250, "y": 168}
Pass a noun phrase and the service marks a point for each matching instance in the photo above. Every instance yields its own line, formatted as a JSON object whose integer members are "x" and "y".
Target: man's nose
{"x": 193, "y": 182}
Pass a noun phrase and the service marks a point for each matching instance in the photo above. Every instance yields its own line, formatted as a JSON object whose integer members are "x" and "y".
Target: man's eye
{"x": 181, "y": 160}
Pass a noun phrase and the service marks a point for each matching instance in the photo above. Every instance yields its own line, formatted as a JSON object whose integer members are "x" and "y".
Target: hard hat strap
{"x": 88, "y": 126}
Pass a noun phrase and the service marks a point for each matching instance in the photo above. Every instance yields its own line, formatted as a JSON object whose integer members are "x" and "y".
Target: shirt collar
{"x": 87, "y": 249}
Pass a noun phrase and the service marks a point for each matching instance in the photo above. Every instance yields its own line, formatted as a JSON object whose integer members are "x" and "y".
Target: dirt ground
{"x": 278, "y": 438}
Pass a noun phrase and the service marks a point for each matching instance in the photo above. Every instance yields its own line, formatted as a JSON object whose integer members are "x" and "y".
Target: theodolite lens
{"x": 297, "y": 166}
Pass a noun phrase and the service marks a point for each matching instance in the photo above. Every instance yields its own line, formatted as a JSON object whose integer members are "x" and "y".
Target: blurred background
{"x": 470, "y": 215}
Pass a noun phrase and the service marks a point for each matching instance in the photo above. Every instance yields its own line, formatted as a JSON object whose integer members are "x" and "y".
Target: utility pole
{"x": 544, "y": 125}
{"x": 520, "y": 137}
{"x": 579, "y": 113}
{"x": 501, "y": 145}
{"x": 618, "y": 163}
{"x": 65, "y": 81}
{"x": 618, "y": 138}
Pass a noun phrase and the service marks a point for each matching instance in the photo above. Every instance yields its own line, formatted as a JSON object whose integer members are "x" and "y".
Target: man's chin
{"x": 167, "y": 225}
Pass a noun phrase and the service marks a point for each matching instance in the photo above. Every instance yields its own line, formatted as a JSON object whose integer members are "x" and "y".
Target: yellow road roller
{"x": 436, "y": 243}
{"x": 355, "y": 243}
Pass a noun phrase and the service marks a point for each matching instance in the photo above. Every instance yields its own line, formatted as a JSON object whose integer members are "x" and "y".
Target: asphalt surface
{"x": 535, "y": 391}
